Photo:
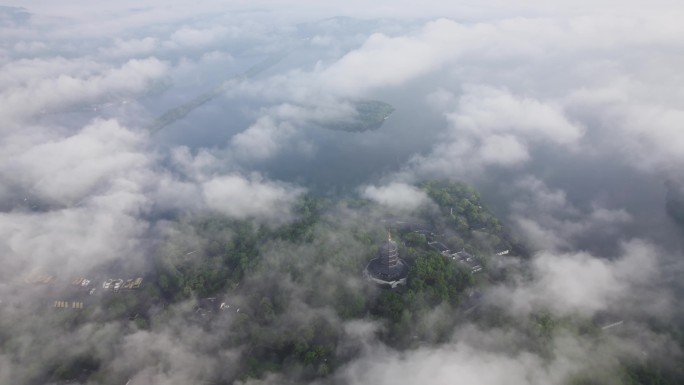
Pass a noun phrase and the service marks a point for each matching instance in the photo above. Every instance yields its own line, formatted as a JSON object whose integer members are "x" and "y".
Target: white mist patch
{"x": 81, "y": 197}
{"x": 476, "y": 356}
{"x": 547, "y": 220}
{"x": 396, "y": 195}
{"x": 69, "y": 169}
{"x": 262, "y": 140}
{"x": 491, "y": 126}
{"x": 239, "y": 197}
{"x": 581, "y": 283}
{"x": 484, "y": 110}
{"x": 53, "y": 89}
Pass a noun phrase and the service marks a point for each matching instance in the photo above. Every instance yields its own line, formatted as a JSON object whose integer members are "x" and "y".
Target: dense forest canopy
{"x": 290, "y": 300}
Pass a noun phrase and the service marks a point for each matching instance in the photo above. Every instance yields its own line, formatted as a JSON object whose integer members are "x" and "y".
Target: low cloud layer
{"x": 548, "y": 221}
{"x": 581, "y": 283}
{"x": 492, "y": 127}
{"x": 48, "y": 87}
{"x": 241, "y": 198}
{"x": 562, "y": 114}
{"x": 396, "y": 196}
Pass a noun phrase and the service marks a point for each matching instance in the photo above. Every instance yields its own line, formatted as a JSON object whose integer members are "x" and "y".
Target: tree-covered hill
{"x": 291, "y": 300}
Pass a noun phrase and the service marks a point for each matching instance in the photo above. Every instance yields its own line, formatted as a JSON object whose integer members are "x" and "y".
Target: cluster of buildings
{"x": 468, "y": 260}
{"x": 116, "y": 284}
{"x": 439, "y": 246}
{"x": 387, "y": 269}
{"x": 210, "y": 306}
{"x": 462, "y": 256}
{"x": 40, "y": 278}
{"x": 81, "y": 285}
{"x": 81, "y": 282}
{"x": 68, "y": 304}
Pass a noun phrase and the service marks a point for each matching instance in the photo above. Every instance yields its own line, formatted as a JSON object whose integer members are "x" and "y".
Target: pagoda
{"x": 387, "y": 269}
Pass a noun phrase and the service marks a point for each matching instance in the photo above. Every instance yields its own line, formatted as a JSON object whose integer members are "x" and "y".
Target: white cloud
{"x": 23, "y": 72}
{"x": 652, "y": 136}
{"x": 262, "y": 140}
{"x": 580, "y": 283}
{"x": 548, "y": 221}
{"x": 90, "y": 189}
{"x": 485, "y": 111}
{"x": 208, "y": 181}
{"x": 58, "y": 90}
{"x": 397, "y": 196}
{"x": 94, "y": 189}
{"x": 538, "y": 235}
{"x": 68, "y": 169}
{"x": 131, "y": 47}
{"x": 29, "y": 47}
{"x": 188, "y": 37}
{"x": 442, "y": 366}
{"x": 503, "y": 149}
{"x": 283, "y": 129}
{"x": 239, "y": 197}
{"x": 75, "y": 240}
{"x": 493, "y": 127}
{"x": 384, "y": 61}
{"x": 490, "y": 357}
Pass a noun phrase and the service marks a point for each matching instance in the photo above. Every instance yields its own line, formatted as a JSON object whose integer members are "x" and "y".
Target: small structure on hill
{"x": 38, "y": 277}
{"x": 113, "y": 284}
{"x": 387, "y": 269}
{"x": 133, "y": 283}
{"x": 467, "y": 259}
{"x": 67, "y": 304}
{"x": 80, "y": 282}
{"x": 439, "y": 246}
{"x": 213, "y": 306}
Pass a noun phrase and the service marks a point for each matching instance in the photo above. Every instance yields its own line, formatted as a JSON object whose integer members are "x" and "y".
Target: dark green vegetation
{"x": 297, "y": 283}
{"x": 370, "y": 114}
{"x": 297, "y": 303}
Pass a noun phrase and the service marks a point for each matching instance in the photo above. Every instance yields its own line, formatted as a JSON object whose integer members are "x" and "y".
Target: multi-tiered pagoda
{"x": 387, "y": 268}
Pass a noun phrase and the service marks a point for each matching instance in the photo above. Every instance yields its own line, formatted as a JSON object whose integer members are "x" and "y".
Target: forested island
{"x": 290, "y": 300}
{"x": 370, "y": 115}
